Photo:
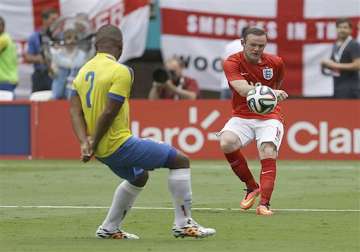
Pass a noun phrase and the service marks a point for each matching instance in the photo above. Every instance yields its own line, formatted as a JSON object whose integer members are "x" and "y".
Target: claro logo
{"x": 196, "y": 130}
{"x": 335, "y": 140}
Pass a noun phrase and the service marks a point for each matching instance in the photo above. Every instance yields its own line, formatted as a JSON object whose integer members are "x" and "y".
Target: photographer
{"x": 38, "y": 45}
{"x": 169, "y": 83}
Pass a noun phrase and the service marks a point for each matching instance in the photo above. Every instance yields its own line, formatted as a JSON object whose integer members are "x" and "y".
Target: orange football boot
{"x": 264, "y": 210}
{"x": 249, "y": 199}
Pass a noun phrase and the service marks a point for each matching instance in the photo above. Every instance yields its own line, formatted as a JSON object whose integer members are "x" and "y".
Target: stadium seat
{"x": 6, "y": 95}
{"x": 45, "y": 95}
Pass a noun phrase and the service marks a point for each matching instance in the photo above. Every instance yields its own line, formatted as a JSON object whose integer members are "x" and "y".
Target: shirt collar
{"x": 107, "y": 55}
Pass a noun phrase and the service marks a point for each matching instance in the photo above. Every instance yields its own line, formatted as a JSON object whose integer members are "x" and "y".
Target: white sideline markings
{"x": 215, "y": 209}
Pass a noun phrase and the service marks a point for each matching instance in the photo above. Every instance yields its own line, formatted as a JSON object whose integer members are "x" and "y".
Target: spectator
{"x": 175, "y": 86}
{"x": 344, "y": 63}
{"x": 66, "y": 62}
{"x": 8, "y": 60}
{"x": 37, "y": 54}
{"x": 230, "y": 48}
{"x": 85, "y": 33}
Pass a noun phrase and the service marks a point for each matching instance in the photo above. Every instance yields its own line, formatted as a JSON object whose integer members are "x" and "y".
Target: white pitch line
{"x": 195, "y": 208}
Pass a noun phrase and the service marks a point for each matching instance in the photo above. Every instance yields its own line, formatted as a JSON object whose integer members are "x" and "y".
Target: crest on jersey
{"x": 268, "y": 73}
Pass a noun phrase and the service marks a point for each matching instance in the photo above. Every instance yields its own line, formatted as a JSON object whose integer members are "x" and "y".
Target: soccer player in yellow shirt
{"x": 100, "y": 118}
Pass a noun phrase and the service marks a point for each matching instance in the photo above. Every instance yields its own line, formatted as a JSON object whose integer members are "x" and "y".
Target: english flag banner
{"x": 300, "y": 31}
{"x": 23, "y": 17}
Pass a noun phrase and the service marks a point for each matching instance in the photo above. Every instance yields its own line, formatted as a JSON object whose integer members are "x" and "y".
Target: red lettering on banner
{"x": 289, "y": 30}
{"x": 115, "y": 13}
{"x": 112, "y": 15}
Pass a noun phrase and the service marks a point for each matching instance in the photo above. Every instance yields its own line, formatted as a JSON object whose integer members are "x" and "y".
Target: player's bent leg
{"x": 124, "y": 197}
{"x": 268, "y": 154}
{"x": 177, "y": 161}
{"x": 179, "y": 182}
{"x": 140, "y": 180}
{"x": 230, "y": 143}
{"x": 267, "y": 150}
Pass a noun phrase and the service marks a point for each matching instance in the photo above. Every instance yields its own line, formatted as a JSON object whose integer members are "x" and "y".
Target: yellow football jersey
{"x": 99, "y": 79}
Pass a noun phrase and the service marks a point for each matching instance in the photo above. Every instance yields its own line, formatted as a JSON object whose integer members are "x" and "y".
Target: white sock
{"x": 180, "y": 187}
{"x": 124, "y": 197}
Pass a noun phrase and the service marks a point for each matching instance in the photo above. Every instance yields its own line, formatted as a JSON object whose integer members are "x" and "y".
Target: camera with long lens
{"x": 162, "y": 75}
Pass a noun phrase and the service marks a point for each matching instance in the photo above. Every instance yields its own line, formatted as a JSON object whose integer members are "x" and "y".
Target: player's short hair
{"x": 343, "y": 20}
{"x": 253, "y": 30}
{"x": 45, "y": 14}
{"x": 243, "y": 30}
{"x": 108, "y": 35}
{"x": 2, "y": 20}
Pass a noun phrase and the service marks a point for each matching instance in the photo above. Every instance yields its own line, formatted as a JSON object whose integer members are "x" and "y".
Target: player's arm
{"x": 236, "y": 80}
{"x": 281, "y": 94}
{"x": 112, "y": 108}
{"x": 242, "y": 87}
{"x": 79, "y": 127}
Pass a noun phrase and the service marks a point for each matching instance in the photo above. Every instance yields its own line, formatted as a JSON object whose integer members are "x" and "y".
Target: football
{"x": 261, "y": 100}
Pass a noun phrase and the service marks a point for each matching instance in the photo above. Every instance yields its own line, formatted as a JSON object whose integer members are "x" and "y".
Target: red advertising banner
{"x": 51, "y": 131}
{"x": 314, "y": 129}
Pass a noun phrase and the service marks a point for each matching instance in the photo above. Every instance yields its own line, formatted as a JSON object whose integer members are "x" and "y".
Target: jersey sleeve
{"x": 281, "y": 72}
{"x": 121, "y": 84}
{"x": 231, "y": 70}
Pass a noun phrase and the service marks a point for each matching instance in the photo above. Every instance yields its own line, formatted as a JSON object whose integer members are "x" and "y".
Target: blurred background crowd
{"x": 61, "y": 44}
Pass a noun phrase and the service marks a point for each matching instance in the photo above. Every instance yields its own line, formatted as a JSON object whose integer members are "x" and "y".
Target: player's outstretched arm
{"x": 105, "y": 120}
{"x": 242, "y": 87}
{"x": 79, "y": 126}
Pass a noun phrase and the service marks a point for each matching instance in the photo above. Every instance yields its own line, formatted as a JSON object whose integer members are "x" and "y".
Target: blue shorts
{"x": 137, "y": 155}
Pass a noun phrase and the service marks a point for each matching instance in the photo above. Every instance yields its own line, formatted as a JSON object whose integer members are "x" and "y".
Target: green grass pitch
{"x": 307, "y": 200}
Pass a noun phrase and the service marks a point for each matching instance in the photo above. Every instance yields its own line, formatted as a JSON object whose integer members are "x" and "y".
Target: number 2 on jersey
{"x": 91, "y": 76}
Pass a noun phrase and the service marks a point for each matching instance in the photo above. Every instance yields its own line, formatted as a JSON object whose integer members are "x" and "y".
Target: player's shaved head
{"x": 109, "y": 40}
